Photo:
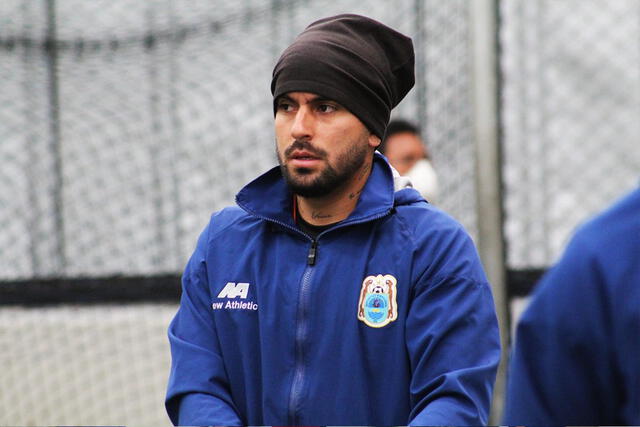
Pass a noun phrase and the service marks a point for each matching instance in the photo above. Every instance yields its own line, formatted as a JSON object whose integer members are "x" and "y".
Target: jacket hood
{"x": 269, "y": 197}
{"x": 404, "y": 192}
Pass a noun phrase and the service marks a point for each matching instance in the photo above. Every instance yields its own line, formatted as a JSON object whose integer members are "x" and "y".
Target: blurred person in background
{"x": 576, "y": 359}
{"x": 407, "y": 153}
{"x": 332, "y": 294}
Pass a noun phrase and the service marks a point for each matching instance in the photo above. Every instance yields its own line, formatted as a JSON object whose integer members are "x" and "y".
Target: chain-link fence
{"x": 123, "y": 125}
{"x": 85, "y": 365}
{"x": 570, "y": 109}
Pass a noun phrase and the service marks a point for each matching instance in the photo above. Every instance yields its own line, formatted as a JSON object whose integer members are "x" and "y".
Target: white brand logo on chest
{"x": 230, "y": 292}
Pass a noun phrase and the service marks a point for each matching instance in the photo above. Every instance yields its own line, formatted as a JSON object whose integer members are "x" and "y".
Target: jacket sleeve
{"x": 198, "y": 391}
{"x": 453, "y": 342}
{"x": 562, "y": 367}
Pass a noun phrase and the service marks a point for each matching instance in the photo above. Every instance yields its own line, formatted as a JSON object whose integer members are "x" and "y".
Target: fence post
{"x": 55, "y": 137}
{"x": 485, "y": 93}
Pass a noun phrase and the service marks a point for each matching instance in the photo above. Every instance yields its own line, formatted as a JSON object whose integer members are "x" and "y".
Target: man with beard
{"x": 333, "y": 293}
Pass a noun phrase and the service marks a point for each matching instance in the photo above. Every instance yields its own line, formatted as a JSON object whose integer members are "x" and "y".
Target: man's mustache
{"x": 306, "y": 146}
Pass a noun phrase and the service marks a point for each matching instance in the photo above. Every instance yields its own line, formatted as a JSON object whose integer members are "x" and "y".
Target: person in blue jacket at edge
{"x": 334, "y": 293}
{"x": 576, "y": 359}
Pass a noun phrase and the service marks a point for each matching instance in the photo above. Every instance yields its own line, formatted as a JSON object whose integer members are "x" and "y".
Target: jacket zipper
{"x": 301, "y": 334}
{"x": 301, "y": 316}
{"x": 311, "y": 256}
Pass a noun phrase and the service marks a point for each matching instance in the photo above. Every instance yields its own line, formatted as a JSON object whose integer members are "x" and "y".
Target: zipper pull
{"x": 311, "y": 257}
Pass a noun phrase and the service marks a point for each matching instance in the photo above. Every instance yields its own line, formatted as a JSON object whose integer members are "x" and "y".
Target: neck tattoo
{"x": 319, "y": 215}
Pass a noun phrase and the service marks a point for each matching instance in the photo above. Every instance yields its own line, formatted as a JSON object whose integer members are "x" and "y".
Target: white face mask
{"x": 424, "y": 179}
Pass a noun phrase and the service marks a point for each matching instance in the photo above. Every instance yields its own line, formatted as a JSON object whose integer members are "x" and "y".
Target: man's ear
{"x": 374, "y": 140}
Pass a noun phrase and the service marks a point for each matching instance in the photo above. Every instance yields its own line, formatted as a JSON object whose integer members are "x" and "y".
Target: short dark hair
{"x": 397, "y": 126}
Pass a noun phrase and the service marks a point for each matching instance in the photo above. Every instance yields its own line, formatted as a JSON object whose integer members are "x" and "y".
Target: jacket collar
{"x": 269, "y": 197}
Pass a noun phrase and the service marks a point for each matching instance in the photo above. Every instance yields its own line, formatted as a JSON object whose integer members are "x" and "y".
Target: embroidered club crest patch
{"x": 377, "y": 306}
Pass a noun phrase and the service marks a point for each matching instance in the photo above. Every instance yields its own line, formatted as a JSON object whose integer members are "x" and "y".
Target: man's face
{"x": 321, "y": 146}
{"x": 403, "y": 150}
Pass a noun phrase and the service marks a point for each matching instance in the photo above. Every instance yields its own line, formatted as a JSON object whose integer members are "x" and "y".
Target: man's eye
{"x": 285, "y": 106}
{"x": 326, "y": 108}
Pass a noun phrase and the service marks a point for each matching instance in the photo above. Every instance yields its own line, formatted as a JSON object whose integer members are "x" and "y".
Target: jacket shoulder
{"x": 424, "y": 219}
{"x": 441, "y": 244}
{"x": 615, "y": 226}
{"x": 225, "y": 218}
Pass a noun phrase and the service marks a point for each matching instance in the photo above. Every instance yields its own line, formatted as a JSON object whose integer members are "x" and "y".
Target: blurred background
{"x": 124, "y": 124}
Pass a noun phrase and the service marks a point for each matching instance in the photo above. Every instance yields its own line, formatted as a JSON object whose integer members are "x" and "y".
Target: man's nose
{"x": 302, "y": 128}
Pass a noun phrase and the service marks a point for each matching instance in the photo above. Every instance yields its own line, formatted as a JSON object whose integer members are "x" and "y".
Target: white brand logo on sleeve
{"x": 230, "y": 292}
{"x": 233, "y": 290}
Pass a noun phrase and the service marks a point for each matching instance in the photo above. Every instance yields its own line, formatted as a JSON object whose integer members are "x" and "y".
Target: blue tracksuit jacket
{"x": 577, "y": 354}
{"x": 387, "y": 318}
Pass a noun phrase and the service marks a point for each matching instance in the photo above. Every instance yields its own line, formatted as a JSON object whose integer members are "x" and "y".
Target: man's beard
{"x": 330, "y": 177}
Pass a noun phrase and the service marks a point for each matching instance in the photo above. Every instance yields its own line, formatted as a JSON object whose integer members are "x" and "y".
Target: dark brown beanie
{"x": 360, "y": 63}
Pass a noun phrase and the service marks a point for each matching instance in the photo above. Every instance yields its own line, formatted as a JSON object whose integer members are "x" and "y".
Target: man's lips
{"x": 303, "y": 155}
{"x": 303, "y": 158}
